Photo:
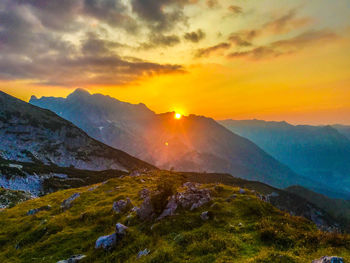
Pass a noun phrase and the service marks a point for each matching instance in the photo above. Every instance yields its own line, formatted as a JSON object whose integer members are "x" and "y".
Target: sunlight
{"x": 177, "y": 116}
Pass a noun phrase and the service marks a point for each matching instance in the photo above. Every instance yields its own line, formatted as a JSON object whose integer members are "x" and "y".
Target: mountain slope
{"x": 343, "y": 129}
{"x": 245, "y": 229}
{"x": 320, "y": 153}
{"x": 31, "y": 134}
{"x": 193, "y": 143}
{"x": 337, "y": 208}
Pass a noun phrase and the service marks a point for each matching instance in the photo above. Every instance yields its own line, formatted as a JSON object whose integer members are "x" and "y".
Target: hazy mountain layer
{"x": 319, "y": 152}
{"x": 193, "y": 143}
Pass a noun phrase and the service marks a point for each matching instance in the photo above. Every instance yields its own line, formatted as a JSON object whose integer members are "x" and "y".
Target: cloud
{"x": 235, "y": 9}
{"x": 239, "y": 40}
{"x": 161, "y": 15}
{"x": 212, "y": 3}
{"x": 195, "y": 36}
{"x": 205, "y": 52}
{"x": 35, "y": 48}
{"x": 160, "y": 40}
{"x": 112, "y": 12}
{"x": 287, "y": 46}
{"x": 280, "y": 25}
{"x": 285, "y": 23}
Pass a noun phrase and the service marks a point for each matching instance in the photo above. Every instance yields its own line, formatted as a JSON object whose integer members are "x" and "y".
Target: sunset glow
{"x": 288, "y": 60}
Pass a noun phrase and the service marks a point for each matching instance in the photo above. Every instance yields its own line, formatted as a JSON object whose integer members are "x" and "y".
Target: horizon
{"x": 190, "y": 113}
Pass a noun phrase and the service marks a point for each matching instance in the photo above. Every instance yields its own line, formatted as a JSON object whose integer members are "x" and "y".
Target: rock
{"x": 134, "y": 209}
{"x": 73, "y": 259}
{"x": 193, "y": 197}
{"x": 66, "y": 204}
{"x": 169, "y": 209}
{"x": 144, "y": 193}
{"x": 36, "y": 210}
{"x": 205, "y": 216}
{"x": 241, "y": 191}
{"x": 146, "y": 212}
{"x": 135, "y": 173}
{"x": 120, "y": 229}
{"x": 191, "y": 185}
{"x": 327, "y": 259}
{"x": 240, "y": 224}
{"x": 106, "y": 242}
{"x": 144, "y": 252}
{"x": 93, "y": 188}
{"x": 122, "y": 205}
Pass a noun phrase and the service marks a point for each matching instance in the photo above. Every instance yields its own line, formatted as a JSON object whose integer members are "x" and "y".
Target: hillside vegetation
{"x": 240, "y": 227}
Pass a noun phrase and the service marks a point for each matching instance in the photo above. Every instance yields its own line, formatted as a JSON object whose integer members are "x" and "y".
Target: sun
{"x": 177, "y": 116}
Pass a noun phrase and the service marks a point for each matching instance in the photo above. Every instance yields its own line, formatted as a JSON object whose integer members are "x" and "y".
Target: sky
{"x": 240, "y": 59}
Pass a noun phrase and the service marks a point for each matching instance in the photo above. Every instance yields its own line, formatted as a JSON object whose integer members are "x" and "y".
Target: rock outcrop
{"x": 66, "y": 204}
{"x": 73, "y": 259}
{"x": 192, "y": 198}
{"x": 122, "y": 205}
{"x": 144, "y": 252}
{"x": 327, "y": 259}
{"x": 37, "y": 210}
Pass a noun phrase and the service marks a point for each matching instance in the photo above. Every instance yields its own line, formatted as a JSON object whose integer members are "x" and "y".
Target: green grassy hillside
{"x": 243, "y": 229}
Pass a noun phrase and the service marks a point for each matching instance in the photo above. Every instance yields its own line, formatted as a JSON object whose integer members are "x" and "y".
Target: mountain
{"x": 31, "y": 134}
{"x": 192, "y": 143}
{"x": 319, "y": 153}
{"x": 343, "y": 129}
{"x": 231, "y": 225}
{"x": 39, "y": 148}
{"x": 337, "y": 208}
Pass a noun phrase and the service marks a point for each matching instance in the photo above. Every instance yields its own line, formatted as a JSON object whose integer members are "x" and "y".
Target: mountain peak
{"x": 78, "y": 93}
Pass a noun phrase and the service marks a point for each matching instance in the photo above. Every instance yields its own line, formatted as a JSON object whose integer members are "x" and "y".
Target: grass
{"x": 243, "y": 230}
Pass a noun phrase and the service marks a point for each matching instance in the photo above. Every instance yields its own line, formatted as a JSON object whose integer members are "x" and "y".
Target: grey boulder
{"x": 327, "y": 259}
{"x": 106, "y": 242}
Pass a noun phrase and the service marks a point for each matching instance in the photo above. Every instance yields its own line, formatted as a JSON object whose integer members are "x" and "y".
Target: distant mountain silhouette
{"x": 32, "y": 134}
{"x": 343, "y": 129}
{"x": 193, "y": 143}
{"x": 319, "y": 152}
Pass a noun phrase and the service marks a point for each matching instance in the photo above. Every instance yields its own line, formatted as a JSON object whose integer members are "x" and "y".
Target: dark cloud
{"x": 160, "y": 40}
{"x": 195, "y": 36}
{"x": 161, "y": 15}
{"x": 235, "y": 9}
{"x": 205, "y": 52}
{"x": 112, "y": 12}
{"x": 37, "y": 50}
{"x": 287, "y": 46}
{"x": 92, "y": 44}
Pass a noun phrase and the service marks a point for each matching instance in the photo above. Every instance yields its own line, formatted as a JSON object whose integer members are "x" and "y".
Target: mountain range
{"x": 37, "y": 146}
{"x": 192, "y": 143}
{"x": 320, "y": 153}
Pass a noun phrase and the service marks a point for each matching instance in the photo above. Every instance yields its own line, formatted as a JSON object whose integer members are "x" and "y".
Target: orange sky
{"x": 284, "y": 61}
